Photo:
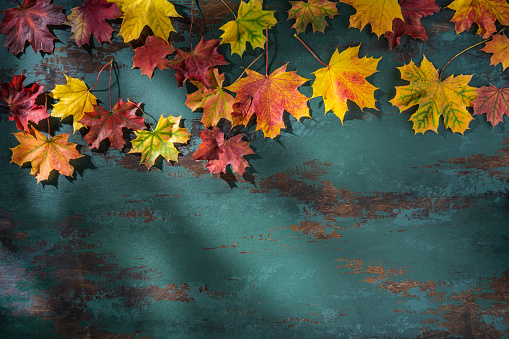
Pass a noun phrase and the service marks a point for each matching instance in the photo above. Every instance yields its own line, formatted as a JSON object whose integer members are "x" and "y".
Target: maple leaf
{"x": 220, "y": 152}
{"x": 44, "y": 154}
{"x": 413, "y": 11}
{"x": 104, "y": 124}
{"x": 434, "y": 97}
{"x": 268, "y": 96}
{"x": 482, "y": 12}
{"x": 492, "y": 101}
{"x": 151, "y": 55}
{"x": 140, "y": 13}
{"x": 195, "y": 64}
{"x": 91, "y": 19}
{"x": 75, "y": 99}
{"x": 249, "y": 26}
{"x": 313, "y": 11}
{"x": 499, "y": 46}
{"x": 378, "y": 13}
{"x": 345, "y": 78}
{"x": 28, "y": 22}
{"x": 216, "y": 103}
{"x": 21, "y": 101}
{"x": 160, "y": 141}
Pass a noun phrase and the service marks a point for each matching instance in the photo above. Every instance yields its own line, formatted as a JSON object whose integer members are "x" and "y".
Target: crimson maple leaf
{"x": 28, "y": 22}
{"x": 195, "y": 64}
{"x": 268, "y": 96}
{"x": 21, "y": 101}
{"x": 413, "y": 11}
{"x": 492, "y": 101}
{"x": 151, "y": 55}
{"x": 220, "y": 152}
{"x": 91, "y": 19}
{"x": 104, "y": 124}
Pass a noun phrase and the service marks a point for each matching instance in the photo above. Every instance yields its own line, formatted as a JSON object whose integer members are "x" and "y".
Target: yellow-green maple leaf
{"x": 378, "y": 13}
{"x": 345, "y": 78}
{"x": 140, "y": 13}
{"x": 435, "y": 98}
{"x": 160, "y": 141}
{"x": 249, "y": 26}
{"x": 75, "y": 99}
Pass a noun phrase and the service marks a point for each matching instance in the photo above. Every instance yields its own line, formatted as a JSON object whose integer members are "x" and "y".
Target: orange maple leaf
{"x": 45, "y": 154}
{"x": 499, "y": 46}
{"x": 482, "y": 12}
{"x": 268, "y": 96}
{"x": 378, "y": 13}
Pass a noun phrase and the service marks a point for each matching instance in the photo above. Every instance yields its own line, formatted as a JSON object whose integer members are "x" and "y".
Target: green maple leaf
{"x": 160, "y": 141}
{"x": 248, "y": 27}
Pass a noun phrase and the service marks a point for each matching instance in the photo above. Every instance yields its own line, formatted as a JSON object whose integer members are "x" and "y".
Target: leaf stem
{"x": 463, "y": 51}
{"x": 507, "y": 83}
{"x": 266, "y": 49}
{"x": 142, "y": 111}
{"x": 100, "y": 74}
{"x": 109, "y": 85}
{"x": 191, "y": 26}
{"x": 17, "y": 3}
{"x": 310, "y": 51}
{"x": 251, "y": 64}
{"x": 235, "y": 15}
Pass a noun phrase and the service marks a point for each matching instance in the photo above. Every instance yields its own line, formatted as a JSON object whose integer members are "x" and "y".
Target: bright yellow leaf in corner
{"x": 435, "y": 98}
{"x": 378, "y": 13}
{"x": 140, "y": 13}
{"x": 75, "y": 99}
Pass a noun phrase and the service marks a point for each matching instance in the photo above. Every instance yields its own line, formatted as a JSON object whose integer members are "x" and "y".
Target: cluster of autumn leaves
{"x": 255, "y": 98}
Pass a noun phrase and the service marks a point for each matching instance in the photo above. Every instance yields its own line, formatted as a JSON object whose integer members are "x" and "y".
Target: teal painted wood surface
{"x": 355, "y": 230}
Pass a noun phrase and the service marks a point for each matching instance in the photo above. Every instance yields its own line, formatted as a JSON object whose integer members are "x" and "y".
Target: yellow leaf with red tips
{"x": 482, "y": 12}
{"x": 345, "y": 79}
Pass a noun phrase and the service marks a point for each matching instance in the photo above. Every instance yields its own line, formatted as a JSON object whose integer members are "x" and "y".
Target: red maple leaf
{"x": 21, "y": 101}
{"x": 220, "y": 152}
{"x": 28, "y": 22}
{"x": 195, "y": 64}
{"x": 104, "y": 124}
{"x": 151, "y": 55}
{"x": 492, "y": 101}
{"x": 91, "y": 19}
{"x": 268, "y": 96}
{"x": 413, "y": 11}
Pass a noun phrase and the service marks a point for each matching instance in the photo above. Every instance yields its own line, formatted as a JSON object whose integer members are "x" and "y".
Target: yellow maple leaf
{"x": 378, "y": 13}
{"x": 345, "y": 78}
{"x": 250, "y": 24}
{"x": 140, "y": 13}
{"x": 435, "y": 98}
{"x": 482, "y": 12}
{"x": 75, "y": 99}
{"x": 499, "y": 46}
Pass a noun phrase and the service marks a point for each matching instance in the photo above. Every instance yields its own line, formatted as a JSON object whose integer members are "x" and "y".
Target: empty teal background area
{"x": 356, "y": 230}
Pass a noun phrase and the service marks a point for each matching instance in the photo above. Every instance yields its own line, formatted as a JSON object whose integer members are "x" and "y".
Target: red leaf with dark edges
{"x": 151, "y": 55}
{"x": 492, "y": 101}
{"x": 91, "y": 19}
{"x": 108, "y": 125}
{"x": 195, "y": 64}
{"x": 28, "y": 22}
{"x": 220, "y": 152}
{"x": 413, "y": 11}
{"x": 21, "y": 101}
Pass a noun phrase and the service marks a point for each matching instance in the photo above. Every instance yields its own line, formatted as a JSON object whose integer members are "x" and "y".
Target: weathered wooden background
{"x": 360, "y": 230}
